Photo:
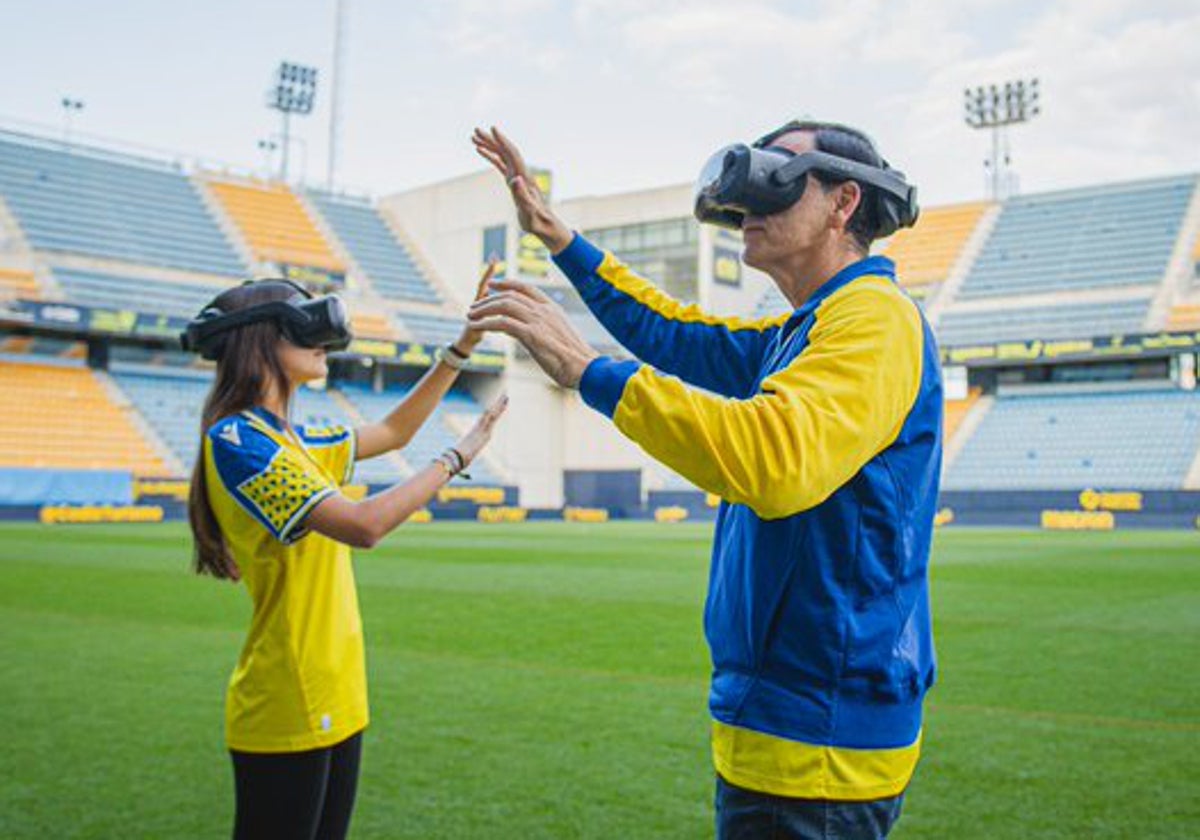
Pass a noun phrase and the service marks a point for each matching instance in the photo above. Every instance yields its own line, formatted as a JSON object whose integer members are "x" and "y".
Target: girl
{"x": 266, "y": 508}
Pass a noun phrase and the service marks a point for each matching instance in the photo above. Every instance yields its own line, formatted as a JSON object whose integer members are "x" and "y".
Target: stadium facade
{"x": 1069, "y": 324}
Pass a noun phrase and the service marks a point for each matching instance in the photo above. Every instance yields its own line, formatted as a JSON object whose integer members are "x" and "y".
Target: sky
{"x": 614, "y": 95}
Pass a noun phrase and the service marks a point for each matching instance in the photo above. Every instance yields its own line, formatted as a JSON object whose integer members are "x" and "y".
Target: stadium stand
{"x": 955, "y": 412}
{"x": 430, "y": 329}
{"x": 1097, "y": 237}
{"x": 62, "y": 416}
{"x": 371, "y": 325}
{"x": 171, "y": 402}
{"x": 435, "y": 436}
{"x": 389, "y": 266}
{"x": 99, "y": 288}
{"x": 274, "y": 224}
{"x": 1078, "y": 320}
{"x": 101, "y": 204}
{"x": 1184, "y": 316}
{"x": 18, "y": 283}
{"x": 1132, "y": 438}
{"x": 115, "y": 231}
{"x": 926, "y": 253}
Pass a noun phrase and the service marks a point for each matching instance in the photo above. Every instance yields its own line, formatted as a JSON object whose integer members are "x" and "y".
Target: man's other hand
{"x": 528, "y": 315}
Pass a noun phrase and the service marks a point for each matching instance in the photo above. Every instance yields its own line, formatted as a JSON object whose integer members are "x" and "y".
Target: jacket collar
{"x": 876, "y": 266}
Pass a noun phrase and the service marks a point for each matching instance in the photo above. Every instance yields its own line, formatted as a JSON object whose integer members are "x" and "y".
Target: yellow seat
{"x": 955, "y": 412}
{"x": 925, "y": 253}
{"x": 1184, "y": 316}
{"x": 371, "y": 325}
{"x": 18, "y": 283}
{"x": 275, "y": 224}
{"x": 63, "y": 418}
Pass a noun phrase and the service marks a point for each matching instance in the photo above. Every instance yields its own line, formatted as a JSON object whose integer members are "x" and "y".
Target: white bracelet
{"x": 449, "y": 359}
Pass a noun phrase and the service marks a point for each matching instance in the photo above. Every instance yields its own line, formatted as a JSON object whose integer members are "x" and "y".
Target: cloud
{"x": 489, "y": 96}
{"x": 1119, "y": 77}
{"x": 718, "y": 50}
{"x": 486, "y": 27}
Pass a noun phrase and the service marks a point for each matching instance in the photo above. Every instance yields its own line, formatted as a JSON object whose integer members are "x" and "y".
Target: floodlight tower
{"x": 996, "y": 107}
{"x": 338, "y": 84}
{"x": 293, "y": 92}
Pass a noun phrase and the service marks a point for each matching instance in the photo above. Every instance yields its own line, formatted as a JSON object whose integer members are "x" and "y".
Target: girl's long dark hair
{"x": 247, "y": 369}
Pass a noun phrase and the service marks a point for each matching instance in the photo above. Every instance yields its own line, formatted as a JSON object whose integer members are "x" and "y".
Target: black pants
{"x": 748, "y": 815}
{"x": 296, "y": 796}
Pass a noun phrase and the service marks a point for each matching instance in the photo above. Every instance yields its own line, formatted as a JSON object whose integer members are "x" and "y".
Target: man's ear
{"x": 847, "y": 197}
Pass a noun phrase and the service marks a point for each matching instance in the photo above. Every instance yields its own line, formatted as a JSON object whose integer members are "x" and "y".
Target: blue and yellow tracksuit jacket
{"x": 821, "y": 431}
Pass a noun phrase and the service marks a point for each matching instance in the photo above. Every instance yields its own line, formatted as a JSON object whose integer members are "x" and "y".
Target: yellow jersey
{"x": 300, "y": 682}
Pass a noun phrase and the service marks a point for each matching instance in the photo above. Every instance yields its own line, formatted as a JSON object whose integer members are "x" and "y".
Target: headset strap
{"x": 888, "y": 180}
{"x": 227, "y": 321}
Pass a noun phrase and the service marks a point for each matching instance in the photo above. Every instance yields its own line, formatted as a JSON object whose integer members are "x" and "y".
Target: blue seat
{"x": 431, "y": 329}
{"x": 1096, "y": 237}
{"x": 435, "y": 436}
{"x": 1142, "y": 440}
{"x": 1079, "y": 320}
{"x": 171, "y": 402}
{"x": 388, "y": 264}
{"x": 97, "y": 288}
{"x": 82, "y": 201}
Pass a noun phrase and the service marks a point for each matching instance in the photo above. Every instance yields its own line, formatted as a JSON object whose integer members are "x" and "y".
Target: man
{"x": 821, "y": 432}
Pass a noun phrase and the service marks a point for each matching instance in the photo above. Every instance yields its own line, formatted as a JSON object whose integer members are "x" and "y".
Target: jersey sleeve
{"x": 270, "y": 482}
{"x": 719, "y": 354}
{"x": 334, "y": 446}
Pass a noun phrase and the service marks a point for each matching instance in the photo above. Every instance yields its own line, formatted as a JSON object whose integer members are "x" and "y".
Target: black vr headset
{"x": 305, "y": 320}
{"x": 761, "y": 179}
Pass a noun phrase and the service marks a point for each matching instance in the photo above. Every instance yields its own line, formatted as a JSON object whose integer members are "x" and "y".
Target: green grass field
{"x": 549, "y": 681}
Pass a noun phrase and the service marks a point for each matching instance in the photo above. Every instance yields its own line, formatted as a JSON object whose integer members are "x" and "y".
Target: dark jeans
{"x": 748, "y": 815}
{"x": 298, "y": 796}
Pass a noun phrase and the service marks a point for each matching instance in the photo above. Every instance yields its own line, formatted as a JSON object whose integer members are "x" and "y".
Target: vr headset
{"x": 305, "y": 321}
{"x": 758, "y": 180}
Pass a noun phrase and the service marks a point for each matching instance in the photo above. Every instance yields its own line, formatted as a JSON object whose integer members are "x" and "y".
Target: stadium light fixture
{"x": 70, "y": 106}
{"x": 268, "y": 147}
{"x": 995, "y": 108}
{"x": 293, "y": 91}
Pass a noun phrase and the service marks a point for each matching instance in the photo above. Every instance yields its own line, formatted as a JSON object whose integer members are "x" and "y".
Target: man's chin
{"x": 752, "y": 256}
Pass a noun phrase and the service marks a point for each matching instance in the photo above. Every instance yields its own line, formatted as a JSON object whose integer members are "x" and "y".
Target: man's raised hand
{"x": 533, "y": 213}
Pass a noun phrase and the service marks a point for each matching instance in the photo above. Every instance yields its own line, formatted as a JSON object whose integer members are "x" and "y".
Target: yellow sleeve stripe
{"x": 781, "y": 767}
{"x": 620, "y": 277}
